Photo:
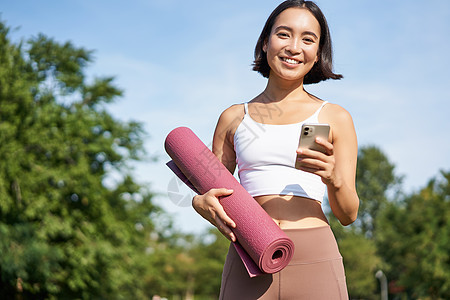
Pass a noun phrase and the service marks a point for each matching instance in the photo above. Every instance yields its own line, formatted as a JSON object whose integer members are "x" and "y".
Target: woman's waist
{"x": 291, "y": 212}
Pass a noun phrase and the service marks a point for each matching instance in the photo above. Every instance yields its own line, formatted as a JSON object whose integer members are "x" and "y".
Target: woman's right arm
{"x": 208, "y": 205}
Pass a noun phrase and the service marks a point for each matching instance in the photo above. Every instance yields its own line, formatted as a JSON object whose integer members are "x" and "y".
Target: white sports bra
{"x": 266, "y": 154}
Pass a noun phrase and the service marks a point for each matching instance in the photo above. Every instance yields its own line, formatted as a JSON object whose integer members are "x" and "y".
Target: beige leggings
{"x": 315, "y": 272}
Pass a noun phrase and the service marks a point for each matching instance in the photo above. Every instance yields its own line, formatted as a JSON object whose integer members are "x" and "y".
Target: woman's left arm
{"x": 342, "y": 196}
{"x": 337, "y": 167}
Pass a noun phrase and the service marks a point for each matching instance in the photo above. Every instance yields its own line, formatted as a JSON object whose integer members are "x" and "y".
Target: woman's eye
{"x": 283, "y": 35}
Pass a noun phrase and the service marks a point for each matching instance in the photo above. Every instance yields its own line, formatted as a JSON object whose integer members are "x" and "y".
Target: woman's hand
{"x": 209, "y": 207}
{"x": 316, "y": 162}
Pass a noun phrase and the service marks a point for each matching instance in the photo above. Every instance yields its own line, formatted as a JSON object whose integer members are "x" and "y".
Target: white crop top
{"x": 266, "y": 154}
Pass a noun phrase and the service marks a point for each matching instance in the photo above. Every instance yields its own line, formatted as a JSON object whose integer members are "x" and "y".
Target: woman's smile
{"x": 290, "y": 61}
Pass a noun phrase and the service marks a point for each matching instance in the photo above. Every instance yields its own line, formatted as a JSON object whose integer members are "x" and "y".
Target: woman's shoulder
{"x": 232, "y": 114}
{"x": 230, "y": 119}
{"x": 335, "y": 112}
{"x": 341, "y": 122}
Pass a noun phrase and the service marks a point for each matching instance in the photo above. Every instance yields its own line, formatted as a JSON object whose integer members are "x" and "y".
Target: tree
{"x": 209, "y": 255}
{"x": 416, "y": 240}
{"x": 360, "y": 257}
{"x": 183, "y": 265}
{"x": 375, "y": 180}
{"x": 361, "y": 262}
{"x": 65, "y": 234}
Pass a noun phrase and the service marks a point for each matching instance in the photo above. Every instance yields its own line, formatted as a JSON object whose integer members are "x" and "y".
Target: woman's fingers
{"x": 309, "y": 156}
{"x": 224, "y": 229}
{"x": 209, "y": 207}
{"x": 222, "y": 214}
{"x": 220, "y": 192}
{"x": 222, "y": 221}
{"x": 313, "y": 163}
{"x": 316, "y": 162}
{"x": 326, "y": 145}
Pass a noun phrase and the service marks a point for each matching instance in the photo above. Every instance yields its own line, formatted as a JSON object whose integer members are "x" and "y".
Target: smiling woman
{"x": 289, "y": 182}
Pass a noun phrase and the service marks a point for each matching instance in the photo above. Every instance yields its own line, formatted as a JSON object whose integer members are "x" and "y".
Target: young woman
{"x": 261, "y": 137}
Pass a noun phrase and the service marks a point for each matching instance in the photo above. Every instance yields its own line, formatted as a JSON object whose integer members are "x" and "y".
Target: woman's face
{"x": 293, "y": 44}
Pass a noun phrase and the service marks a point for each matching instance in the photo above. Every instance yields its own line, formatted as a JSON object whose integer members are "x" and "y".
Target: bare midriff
{"x": 293, "y": 212}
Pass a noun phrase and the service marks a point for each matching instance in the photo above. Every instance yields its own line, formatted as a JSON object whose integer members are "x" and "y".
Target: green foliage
{"x": 416, "y": 240}
{"x": 184, "y": 265}
{"x": 375, "y": 178}
{"x": 64, "y": 233}
{"x": 361, "y": 260}
{"x": 406, "y": 236}
{"x": 210, "y": 257}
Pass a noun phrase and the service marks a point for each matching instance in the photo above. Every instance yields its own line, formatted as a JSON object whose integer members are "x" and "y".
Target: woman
{"x": 293, "y": 49}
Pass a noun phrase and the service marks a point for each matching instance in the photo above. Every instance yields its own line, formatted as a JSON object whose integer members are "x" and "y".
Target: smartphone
{"x": 308, "y": 135}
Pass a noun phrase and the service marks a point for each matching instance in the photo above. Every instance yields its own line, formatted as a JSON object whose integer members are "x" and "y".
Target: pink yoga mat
{"x": 261, "y": 244}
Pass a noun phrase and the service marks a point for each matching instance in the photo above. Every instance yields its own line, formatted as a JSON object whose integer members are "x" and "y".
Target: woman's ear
{"x": 265, "y": 46}
{"x": 317, "y": 58}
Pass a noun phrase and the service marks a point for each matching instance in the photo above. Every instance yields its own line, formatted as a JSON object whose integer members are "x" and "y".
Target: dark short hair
{"x": 323, "y": 69}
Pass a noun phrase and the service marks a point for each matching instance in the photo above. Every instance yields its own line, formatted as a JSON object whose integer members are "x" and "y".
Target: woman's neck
{"x": 277, "y": 90}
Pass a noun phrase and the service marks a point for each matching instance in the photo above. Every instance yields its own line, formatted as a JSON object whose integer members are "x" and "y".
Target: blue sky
{"x": 181, "y": 63}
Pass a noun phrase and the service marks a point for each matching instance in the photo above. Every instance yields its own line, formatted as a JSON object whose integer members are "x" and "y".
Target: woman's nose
{"x": 294, "y": 46}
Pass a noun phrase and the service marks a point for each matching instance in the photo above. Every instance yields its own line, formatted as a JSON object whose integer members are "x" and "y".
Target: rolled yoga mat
{"x": 261, "y": 244}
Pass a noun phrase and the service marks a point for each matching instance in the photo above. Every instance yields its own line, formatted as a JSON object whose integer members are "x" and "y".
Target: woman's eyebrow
{"x": 284, "y": 27}
{"x": 281, "y": 27}
{"x": 310, "y": 33}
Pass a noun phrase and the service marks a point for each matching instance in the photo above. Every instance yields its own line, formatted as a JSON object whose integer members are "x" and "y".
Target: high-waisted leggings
{"x": 315, "y": 272}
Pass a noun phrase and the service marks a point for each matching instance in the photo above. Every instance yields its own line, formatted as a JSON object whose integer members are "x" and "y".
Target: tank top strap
{"x": 246, "y": 107}
{"x": 316, "y": 114}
